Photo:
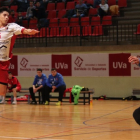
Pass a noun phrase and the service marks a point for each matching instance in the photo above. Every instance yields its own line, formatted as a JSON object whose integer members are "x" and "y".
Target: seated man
{"x": 80, "y": 9}
{"x": 13, "y": 86}
{"x": 38, "y": 84}
{"x": 103, "y": 9}
{"x": 19, "y": 19}
{"x": 39, "y": 11}
{"x": 55, "y": 83}
{"x": 29, "y": 14}
{"x": 12, "y": 17}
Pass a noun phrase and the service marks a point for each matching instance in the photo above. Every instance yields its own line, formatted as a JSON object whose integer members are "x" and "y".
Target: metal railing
{"x": 89, "y": 35}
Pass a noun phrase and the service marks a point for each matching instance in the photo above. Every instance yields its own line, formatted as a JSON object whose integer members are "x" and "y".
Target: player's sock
{"x": 3, "y": 100}
{"x": 15, "y": 99}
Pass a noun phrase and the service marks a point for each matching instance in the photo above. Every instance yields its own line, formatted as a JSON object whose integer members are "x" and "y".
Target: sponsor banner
{"x": 119, "y": 65}
{"x": 62, "y": 63}
{"x": 28, "y": 64}
{"x": 135, "y": 70}
{"x": 13, "y": 67}
{"x": 90, "y": 65}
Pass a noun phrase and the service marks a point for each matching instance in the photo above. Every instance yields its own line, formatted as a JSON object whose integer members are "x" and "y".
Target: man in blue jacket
{"x": 55, "y": 83}
{"x": 38, "y": 85}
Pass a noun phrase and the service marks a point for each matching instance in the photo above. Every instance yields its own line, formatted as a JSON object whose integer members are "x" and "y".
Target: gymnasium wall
{"x": 114, "y": 86}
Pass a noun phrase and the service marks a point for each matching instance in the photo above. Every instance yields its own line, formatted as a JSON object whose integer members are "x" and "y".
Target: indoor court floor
{"x": 103, "y": 120}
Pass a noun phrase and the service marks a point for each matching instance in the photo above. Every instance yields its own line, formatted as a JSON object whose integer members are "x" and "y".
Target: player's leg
{"x": 15, "y": 90}
{"x": 61, "y": 90}
{"x": 32, "y": 96}
{"x": 15, "y": 95}
{"x": 3, "y": 89}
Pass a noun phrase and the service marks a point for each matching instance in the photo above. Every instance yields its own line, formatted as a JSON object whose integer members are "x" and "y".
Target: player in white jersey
{"x": 8, "y": 32}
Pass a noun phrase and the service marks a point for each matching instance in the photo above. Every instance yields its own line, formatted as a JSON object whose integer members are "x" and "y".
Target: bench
{"x": 136, "y": 91}
{"x": 87, "y": 95}
{"x": 84, "y": 93}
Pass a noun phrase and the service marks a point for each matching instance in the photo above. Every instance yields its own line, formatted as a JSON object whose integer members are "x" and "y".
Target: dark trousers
{"x": 101, "y": 12}
{"x": 42, "y": 90}
{"x": 136, "y": 115}
{"x": 60, "y": 89}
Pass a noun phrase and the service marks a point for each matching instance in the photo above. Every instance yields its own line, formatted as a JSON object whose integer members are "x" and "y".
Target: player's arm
{"x": 30, "y": 31}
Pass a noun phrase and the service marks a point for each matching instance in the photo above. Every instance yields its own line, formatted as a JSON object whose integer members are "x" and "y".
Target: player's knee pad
{"x": 136, "y": 115}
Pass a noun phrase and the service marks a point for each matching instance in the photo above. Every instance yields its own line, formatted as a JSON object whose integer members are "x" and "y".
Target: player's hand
{"x": 31, "y": 31}
{"x": 133, "y": 60}
{"x": 35, "y": 90}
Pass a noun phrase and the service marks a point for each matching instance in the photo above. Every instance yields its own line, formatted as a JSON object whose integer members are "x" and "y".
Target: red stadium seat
{"x": 33, "y": 24}
{"x": 70, "y": 5}
{"x": 60, "y": 6}
{"x": 92, "y": 12}
{"x": 75, "y": 31}
{"x": 122, "y": 3}
{"x": 74, "y": 22}
{"x": 65, "y": 31}
{"x": 98, "y": 30}
{"x": 51, "y": 14}
{"x": 43, "y": 32}
{"x": 50, "y": 6}
{"x": 25, "y": 23}
{"x": 14, "y": 7}
{"x": 107, "y": 20}
{"x": 95, "y": 21}
{"x": 86, "y": 31}
{"x": 138, "y": 30}
{"x": 61, "y": 13}
{"x": 111, "y": 2}
{"x": 54, "y": 31}
{"x": 24, "y": 14}
{"x": 90, "y": 2}
{"x": 84, "y": 21}
{"x": 53, "y": 22}
{"x": 63, "y": 22}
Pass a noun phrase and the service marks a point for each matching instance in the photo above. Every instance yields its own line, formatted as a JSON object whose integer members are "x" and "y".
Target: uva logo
{"x": 61, "y": 65}
{"x": 120, "y": 65}
{"x": 24, "y": 62}
{"x": 11, "y": 66}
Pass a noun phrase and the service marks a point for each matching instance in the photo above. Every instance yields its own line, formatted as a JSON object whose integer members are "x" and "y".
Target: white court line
{"x": 23, "y": 138}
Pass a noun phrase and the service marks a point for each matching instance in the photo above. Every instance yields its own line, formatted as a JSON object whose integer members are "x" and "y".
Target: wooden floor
{"x": 103, "y": 120}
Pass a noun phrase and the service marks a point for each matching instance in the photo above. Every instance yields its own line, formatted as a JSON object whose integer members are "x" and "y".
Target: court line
{"x": 45, "y": 136}
{"x": 108, "y": 114}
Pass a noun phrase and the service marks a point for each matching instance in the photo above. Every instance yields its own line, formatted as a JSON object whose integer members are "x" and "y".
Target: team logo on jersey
{"x": 3, "y": 46}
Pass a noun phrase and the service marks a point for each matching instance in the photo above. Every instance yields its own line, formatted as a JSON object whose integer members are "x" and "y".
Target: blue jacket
{"x": 40, "y": 80}
{"x": 56, "y": 80}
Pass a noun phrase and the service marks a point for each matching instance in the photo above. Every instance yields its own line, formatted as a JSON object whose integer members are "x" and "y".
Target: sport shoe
{"x": 46, "y": 103}
{"x": 14, "y": 102}
{"x": 58, "y": 103}
{"x": 33, "y": 102}
{"x": 2, "y": 102}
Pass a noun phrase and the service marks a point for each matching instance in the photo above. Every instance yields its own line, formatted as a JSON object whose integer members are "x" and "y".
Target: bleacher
{"x": 55, "y": 12}
{"x": 90, "y": 25}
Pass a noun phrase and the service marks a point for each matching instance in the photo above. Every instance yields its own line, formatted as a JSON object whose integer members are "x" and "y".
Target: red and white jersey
{"x": 7, "y": 40}
{"x": 12, "y": 82}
